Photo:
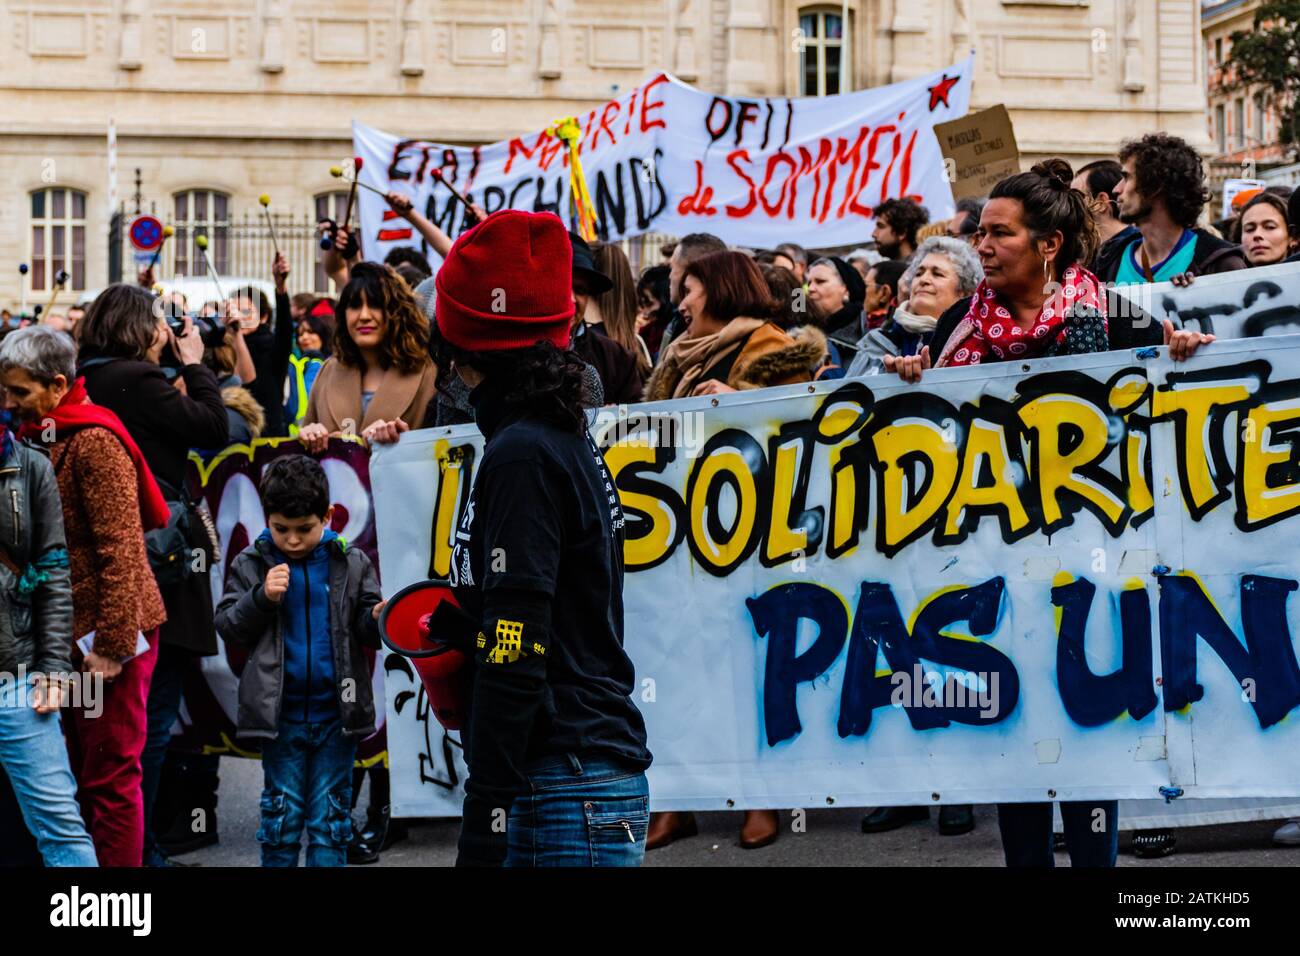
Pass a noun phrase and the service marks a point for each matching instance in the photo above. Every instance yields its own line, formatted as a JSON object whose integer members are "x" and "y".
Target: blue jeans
{"x": 308, "y": 782}
{"x": 163, "y": 708}
{"x": 592, "y": 812}
{"x": 36, "y": 760}
{"x": 1091, "y": 838}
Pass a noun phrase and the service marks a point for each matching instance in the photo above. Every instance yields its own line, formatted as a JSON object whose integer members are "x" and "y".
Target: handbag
{"x": 187, "y": 535}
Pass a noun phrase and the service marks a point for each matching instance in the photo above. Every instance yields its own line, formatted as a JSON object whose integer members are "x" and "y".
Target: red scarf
{"x": 75, "y": 412}
{"x": 996, "y": 337}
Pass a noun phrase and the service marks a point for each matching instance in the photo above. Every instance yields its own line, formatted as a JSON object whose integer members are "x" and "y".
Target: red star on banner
{"x": 939, "y": 92}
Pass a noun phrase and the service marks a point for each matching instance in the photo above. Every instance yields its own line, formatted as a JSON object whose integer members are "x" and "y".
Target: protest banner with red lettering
{"x": 669, "y": 158}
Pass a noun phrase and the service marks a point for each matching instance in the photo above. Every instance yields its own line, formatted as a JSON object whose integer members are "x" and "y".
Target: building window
{"x": 1220, "y": 134}
{"x": 820, "y": 36}
{"x": 328, "y": 206}
{"x": 1260, "y": 109}
{"x": 1239, "y": 123}
{"x": 58, "y": 238}
{"x": 201, "y": 212}
{"x": 1218, "y": 52}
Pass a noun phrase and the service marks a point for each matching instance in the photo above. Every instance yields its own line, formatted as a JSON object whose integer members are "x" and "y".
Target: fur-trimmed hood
{"x": 241, "y": 401}
{"x": 767, "y": 360}
{"x": 767, "y": 356}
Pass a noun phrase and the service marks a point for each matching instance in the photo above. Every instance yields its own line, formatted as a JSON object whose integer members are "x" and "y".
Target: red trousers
{"x": 105, "y": 754}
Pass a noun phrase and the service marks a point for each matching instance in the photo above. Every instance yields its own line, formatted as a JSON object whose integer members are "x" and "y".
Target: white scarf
{"x": 915, "y": 324}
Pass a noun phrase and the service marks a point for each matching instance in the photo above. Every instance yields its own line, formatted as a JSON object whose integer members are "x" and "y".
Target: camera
{"x": 329, "y": 229}
{"x": 211, "y": 332}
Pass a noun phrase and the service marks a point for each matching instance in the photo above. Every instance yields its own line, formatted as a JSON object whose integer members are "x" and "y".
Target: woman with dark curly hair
{"x": 552, "y": 737}
{"x": 380, "y": 378}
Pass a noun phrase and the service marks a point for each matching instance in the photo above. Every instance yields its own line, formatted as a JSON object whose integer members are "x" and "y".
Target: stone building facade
{"x": 1242, "y": 125}
{"x": 216, "y": 103}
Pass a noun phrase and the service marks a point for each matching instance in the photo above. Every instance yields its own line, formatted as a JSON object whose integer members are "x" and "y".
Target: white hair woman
{"x": 942, "y": 272}
{"x": 114, "y": 594}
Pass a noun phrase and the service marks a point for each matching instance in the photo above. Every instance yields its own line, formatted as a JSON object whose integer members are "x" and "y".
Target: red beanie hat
{"x": 507, "y": 283}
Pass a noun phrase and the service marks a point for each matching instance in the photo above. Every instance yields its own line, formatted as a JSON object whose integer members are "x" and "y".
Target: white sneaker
{"x": 1288, "y": 834}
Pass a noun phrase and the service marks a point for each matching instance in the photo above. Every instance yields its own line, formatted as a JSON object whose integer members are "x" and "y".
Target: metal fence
{"x": 239, "y": 246}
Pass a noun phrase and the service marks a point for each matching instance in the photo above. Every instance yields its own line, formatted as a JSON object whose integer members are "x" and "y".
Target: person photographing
{"x": 555, "y": 747}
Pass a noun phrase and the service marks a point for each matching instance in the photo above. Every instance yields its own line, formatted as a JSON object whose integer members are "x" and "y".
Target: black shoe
{"x": 956, "y": 820}
{"x": 197, "y": 842}
{"x": 360, "y": 852}
{"x": 180, "y": 837}
{"x": 381, "y": 831}
{"x": 1150, "y": 844}
{"x": 884, "y": 819}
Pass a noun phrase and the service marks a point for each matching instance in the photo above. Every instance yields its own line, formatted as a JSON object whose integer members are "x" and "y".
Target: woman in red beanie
{"x": 379, "y": 380}
{"x": 552, "y": 736}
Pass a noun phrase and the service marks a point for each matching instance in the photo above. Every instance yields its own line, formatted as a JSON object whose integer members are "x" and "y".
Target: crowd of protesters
{"x": 116, "y": 395}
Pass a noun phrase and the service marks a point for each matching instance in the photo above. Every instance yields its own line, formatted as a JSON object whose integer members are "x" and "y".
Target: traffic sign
{"x": 146, "y": 233}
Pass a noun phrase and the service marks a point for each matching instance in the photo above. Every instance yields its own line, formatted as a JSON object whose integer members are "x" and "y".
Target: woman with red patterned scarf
{"x": 1037, "y": 300}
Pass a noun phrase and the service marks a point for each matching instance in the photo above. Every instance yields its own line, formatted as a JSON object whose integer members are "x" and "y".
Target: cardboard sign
{"x": 978, "y": 150}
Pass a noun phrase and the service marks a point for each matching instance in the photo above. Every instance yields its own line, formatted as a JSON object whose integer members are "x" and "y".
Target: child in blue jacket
{"x": 304, "y": 603}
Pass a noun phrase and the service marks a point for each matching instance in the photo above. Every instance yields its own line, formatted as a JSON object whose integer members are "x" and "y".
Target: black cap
{"x": 584, "y": 265}
{"x": 851, "y": 278}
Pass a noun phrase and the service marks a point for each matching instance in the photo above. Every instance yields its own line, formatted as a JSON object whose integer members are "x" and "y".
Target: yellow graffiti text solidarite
{"x": 782, "y": 541}
{"x": 1190, "y": 405}
{"x": 1262, "y": 502}
{"x": 905, "y": 439}
{"x": 722, "y": 554}
{"x": 1055, "y": 471}
{"x": 986, "y": 440}
{"x": 649, "y": 548}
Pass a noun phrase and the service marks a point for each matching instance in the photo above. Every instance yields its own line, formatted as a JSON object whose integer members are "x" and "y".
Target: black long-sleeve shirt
{"x": 270, "y": 347}
{"x": 539, "y": 561}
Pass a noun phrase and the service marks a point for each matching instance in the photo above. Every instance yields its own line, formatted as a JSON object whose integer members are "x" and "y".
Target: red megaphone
{"x": 424, "y": 623}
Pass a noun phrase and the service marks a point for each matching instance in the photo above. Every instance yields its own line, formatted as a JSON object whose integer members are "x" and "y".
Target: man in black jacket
{"x": 1162, "y": 194}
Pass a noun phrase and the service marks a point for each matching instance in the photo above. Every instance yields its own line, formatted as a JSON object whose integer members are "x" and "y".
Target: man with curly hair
{"x": 897, "y": 221}
{"x": 1162, "y": 193}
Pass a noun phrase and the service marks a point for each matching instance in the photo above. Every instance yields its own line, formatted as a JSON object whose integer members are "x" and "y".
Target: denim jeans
{"x": 588, "y": 812}
{"x": 162, "y": 709}
{"x": 36, "y": 760}
{"x": 308, "y": 782}
{"x": 1092, "y": 839}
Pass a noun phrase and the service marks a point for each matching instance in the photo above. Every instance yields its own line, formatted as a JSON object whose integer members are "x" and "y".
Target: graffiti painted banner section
{"x": 666, "y": 157}
{"x": 1247, "y": 303}
{"x": 1068, "y": 579}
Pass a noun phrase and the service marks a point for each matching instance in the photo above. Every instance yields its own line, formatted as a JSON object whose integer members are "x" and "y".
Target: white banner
{"x": 1068, "y": 579}
{"x": 1232, "y": 305}
{"x": 668, "y": 158}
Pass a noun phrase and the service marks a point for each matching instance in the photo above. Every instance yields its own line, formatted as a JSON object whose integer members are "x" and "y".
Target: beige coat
{"x": 335, "y": 399}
